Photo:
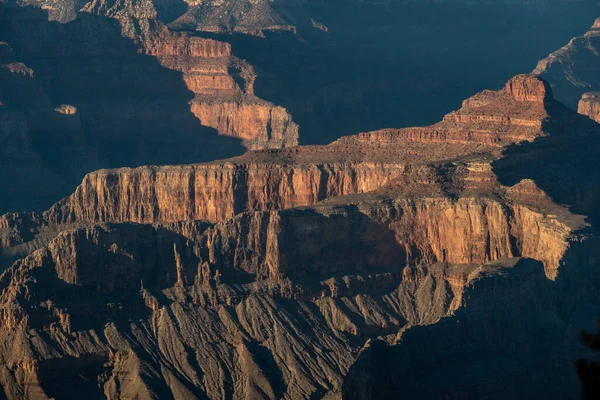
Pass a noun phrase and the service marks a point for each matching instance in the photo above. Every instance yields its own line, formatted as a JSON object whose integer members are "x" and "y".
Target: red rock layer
{"x": 406, "y": 231}
{"x": 212, "y": 72}
{"x": 590, "y": 105}
{"x": 511, "y": 115}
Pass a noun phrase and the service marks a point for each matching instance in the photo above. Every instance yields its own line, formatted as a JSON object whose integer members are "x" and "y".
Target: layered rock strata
{"x": 590, "y": 105}
{"x": 121, "y": 290}
{"x": 176, "y": 92}
{"x": 327, "y": 277}
{"x": 498, "y": 118}
{"x": 222, "y": 85}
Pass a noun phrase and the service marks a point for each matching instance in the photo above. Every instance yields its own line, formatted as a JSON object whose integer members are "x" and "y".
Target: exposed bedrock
{"x": 121, "y": 91}
{"x": 472, "y": 356}
{"x": 590, "y": 105}
{"x": 304, "y": 255}
{"x": 260, "y": 124}
{"x": 142, "y": 303}
{"x": 572, "y": 70}
{"x": 213, "y": 192}
{"x": 518, "y": 112}
{"x": 280, "y": 179}
{"x": 206, "y": 67}
{"x": 288, "y": 178}
{"x": 222, "y": 85}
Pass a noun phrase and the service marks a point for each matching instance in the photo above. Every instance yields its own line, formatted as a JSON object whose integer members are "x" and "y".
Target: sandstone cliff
{"x": 511, "y": 115}
{"x": 222, "y": 85}
{"x": 264, "y": 275}
{"x": 279, "y": 179}
{"x": 590, "y": 105}
{"x": 327, "y": 278}
{"x": 269, "y": 180}
{"x": 76, "y": 92}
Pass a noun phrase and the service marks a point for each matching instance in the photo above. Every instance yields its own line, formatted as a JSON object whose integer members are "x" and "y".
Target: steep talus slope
{"x": 326, "y": 278}
{"x": 513, "y": 328}
{"x": 304, "y": 255}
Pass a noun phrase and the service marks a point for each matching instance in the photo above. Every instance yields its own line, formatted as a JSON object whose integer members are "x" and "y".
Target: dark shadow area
{"x": 71, "y": 377}
{"x": 564, "y": 164}
{"x": 515, "y": 337}
{"x": 169, "y": 10}
{"x": 104, "y": 282}
{"x": 127, "y": 109}
{"x": 386, "y": 65}
{"x": 266, "y": 362}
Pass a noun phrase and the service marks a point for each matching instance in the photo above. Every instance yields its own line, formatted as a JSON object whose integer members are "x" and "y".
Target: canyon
{"x": 307, "y": 272}
{"x": 205, "y": 254}
{"x": 199, "y": 95}
{"x": 192, "y": 87}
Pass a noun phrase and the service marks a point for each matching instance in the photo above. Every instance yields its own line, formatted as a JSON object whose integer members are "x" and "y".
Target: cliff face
{"x": 280, "y": 179}
{"x": 590, "y": 105}
{"x": 130, "y": 87}
{"x": 382, "y": 369}
{"x": 212, "y": 192}
{"x": 511, "y": 115}
{"x": 327, "y": 278}
{"x": 261, "y": 125}
{"x": 283, "y": 179}
{"x": 222, "y": 84}
{"x": 121, "y": 289}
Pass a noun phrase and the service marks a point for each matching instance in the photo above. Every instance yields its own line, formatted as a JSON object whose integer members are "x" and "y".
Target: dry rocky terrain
{"x": 282, "y": 273}
{"x": 438, "y": 262}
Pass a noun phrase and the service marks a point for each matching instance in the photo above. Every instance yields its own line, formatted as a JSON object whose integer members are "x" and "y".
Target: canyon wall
{"x": 212, "y": 192}
{"x": 215, "y": 280}
{"x": 590, "y": 105}
{"x": 222, "y": 85}
{"x": 181, "y": 99}
{"x": 497, "y": 118}
{"x": 327, "y": 277}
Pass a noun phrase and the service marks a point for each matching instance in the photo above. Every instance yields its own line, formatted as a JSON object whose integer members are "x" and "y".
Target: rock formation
{"x": 266, "y": 275}
{"x": 571, "y": 70}
{"x": 96, "y": 85}
{"x": 253, "y": 17}
{"x": 590, "y": 105}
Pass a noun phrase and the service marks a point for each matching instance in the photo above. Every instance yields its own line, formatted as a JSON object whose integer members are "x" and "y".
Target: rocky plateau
{"x": 430, "y": 262}
{"x": 305, "y": 272}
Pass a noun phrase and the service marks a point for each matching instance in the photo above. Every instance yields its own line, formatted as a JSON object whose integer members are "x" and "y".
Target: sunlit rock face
{"x": 590, "y": 105}
{"x": 115, "y": 87}
{"x": 309, "y": 271}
